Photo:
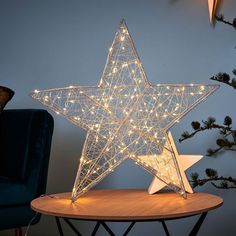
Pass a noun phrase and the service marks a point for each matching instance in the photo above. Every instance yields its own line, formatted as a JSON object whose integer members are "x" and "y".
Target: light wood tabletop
{"x": 125, "y": 205}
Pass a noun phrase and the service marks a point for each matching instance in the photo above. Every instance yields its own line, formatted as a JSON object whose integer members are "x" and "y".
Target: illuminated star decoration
{"x": 184, "y": 162}
{"x": 212, "y": 7}
{"x": 124, "y": 115}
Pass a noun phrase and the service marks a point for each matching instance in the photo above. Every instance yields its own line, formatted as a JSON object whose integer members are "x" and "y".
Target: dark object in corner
{"x": 25, "y": 143}
{"x": 6, "y": 95}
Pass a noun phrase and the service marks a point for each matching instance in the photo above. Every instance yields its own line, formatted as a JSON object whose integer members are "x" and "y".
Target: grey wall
{"x": 46, "y": 44}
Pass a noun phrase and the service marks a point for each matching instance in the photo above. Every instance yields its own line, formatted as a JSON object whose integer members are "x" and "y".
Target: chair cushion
{"x": 13, "y": 193}
{"x": 6, "y": 95}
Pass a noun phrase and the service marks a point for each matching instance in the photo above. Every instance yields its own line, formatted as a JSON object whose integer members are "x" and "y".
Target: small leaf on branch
{"x": 194, "y": 176}
{"x": 184, "y": 135}
{"x": 224, "y": 184}
{"x": 210, "y": 152}
{"x": 219, "y": 17}
{"x": 223, "y": 132}
{"x": 209, "y": 122}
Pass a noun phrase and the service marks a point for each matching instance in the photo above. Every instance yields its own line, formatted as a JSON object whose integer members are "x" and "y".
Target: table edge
{"x": 127, "y": 218}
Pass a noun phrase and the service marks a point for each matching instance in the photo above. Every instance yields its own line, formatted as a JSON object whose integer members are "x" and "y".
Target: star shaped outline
{"x": 83, "y": 90}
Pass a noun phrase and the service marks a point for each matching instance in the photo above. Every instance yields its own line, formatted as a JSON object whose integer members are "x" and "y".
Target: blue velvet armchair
{"x": 25, "y": 142}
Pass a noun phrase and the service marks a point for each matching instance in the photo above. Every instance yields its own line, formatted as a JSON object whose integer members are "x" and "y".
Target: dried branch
{"x": 228, "y": 140}
{"x": 225, "y": 78}
{"x": 220, "y": 18}
{"x": 218, "y": 182}
{"x": 228, "y": 135}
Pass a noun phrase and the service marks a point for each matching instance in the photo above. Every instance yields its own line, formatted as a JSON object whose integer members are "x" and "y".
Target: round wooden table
{"x": 131, "y": 205}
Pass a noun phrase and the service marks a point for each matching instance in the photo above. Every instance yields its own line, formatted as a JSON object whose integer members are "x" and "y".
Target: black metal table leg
{"x": 129, "y": 228}
{"x": 72, "y": 226}
{"x": 165, "y": 228}
{"x": 107, "y": 228}
{"x": 193, "y": 232}
{"x": 59, "y": 226}
{"x": 198, "y": 224}
{"x": 95, "y": 229}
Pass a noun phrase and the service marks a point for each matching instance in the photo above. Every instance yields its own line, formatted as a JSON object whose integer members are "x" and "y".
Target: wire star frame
{"x": 125, "y": 116}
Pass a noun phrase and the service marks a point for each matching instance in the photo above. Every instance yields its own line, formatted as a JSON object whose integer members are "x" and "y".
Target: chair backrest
{"x": 25, "y": 143}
